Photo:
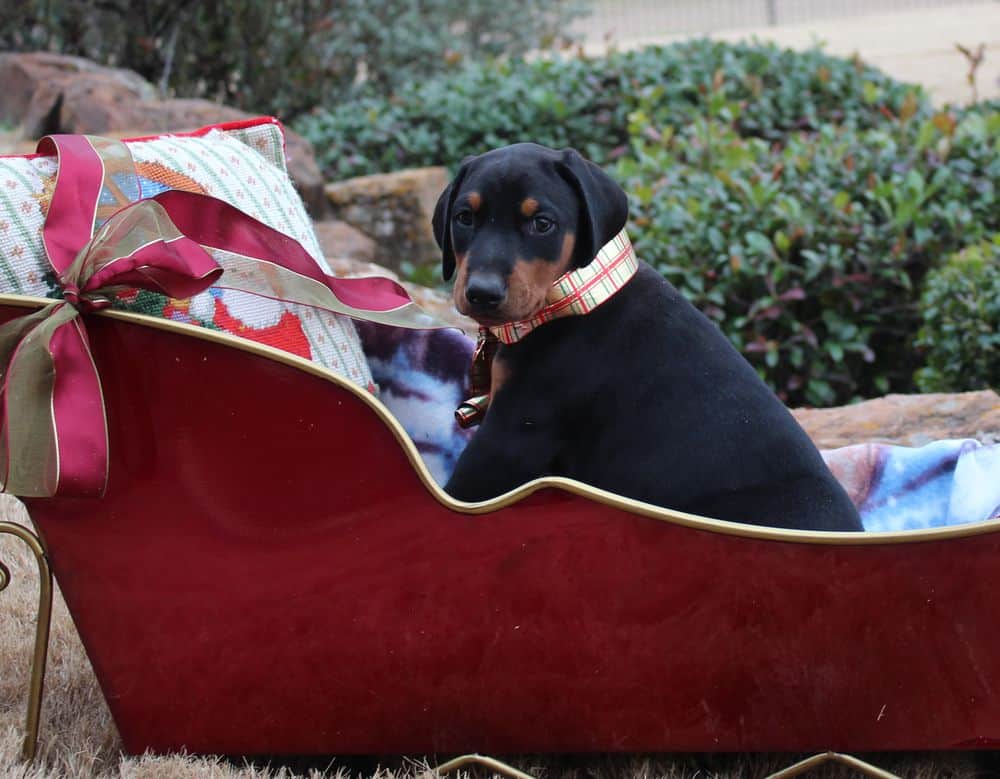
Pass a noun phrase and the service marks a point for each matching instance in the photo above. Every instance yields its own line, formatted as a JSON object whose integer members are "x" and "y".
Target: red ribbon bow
{"x": 101, "y": 237}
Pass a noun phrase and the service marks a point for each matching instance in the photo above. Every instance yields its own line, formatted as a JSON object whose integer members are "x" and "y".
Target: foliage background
{"x": 586, "y": 102}
{"x": 283, "y": 57}
{"x": 804, "y": 202}
{"x": 797, "y": 199}
{"x": 960, "y": 312}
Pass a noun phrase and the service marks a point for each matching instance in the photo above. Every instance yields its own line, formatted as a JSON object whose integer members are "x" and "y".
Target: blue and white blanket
{"x": 895, "y": 488}
{"x": 423, "y": 376}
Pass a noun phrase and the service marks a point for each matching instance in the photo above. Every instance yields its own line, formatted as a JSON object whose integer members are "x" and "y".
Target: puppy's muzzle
{"x": 485, "y": 291}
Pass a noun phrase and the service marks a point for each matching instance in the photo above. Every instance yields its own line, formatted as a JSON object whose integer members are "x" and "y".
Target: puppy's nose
{"x": 485, "y": 291}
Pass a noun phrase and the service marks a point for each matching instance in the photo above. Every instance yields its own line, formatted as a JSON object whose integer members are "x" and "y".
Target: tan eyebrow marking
{"x": 528, "y": 206}
{"x": 475, "y": 201}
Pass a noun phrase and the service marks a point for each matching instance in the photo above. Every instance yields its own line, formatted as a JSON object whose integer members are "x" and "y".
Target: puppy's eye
{"x": 464, "y": 218}
{"x": 542, "y": 224}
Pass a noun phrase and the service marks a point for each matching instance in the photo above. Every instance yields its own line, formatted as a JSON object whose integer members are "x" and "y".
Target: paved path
{"x": 916, "y": 46}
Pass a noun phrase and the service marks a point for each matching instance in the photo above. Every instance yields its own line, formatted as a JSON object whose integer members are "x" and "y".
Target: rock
{"x": 433, "y": 301}
{"x": 305, "y": 174}
{"x": 12, "y": 143}
{"x": 346, "y": 268}
{"x": 91, "y": 103}
{"x": 50, "y": 93}
{"x": 394, "y": 209}
{"x": 439, "y": 304}
{"x": 32, "y": 84}
{"x": 906, "y": 420}
{"x": 147, "y": 117}
{"x": 340, "y": 240}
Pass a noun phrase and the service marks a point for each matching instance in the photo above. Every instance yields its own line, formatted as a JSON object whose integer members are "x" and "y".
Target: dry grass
{"x": 78, "y": 738}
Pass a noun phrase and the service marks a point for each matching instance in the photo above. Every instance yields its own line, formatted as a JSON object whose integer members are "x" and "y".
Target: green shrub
{"x": 798, "y": 199}
{"x": 808, "y": 253}
{"x": 284, "y": 56}
{"x": 960, "y": 310}
{"x": 586, "y": 103}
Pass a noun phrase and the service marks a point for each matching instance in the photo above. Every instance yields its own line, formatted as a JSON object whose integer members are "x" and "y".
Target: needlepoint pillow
{"x": 242, "y": 163}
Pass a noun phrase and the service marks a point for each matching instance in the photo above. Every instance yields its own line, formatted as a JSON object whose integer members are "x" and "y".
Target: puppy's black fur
{"x": 643, "y": 396}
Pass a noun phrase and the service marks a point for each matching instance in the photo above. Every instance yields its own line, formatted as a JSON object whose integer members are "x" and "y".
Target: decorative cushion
{"x": 242, "y": 163}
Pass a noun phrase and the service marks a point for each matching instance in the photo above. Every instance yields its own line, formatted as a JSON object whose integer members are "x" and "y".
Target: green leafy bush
{"x": 808, "y": 252}
{"x": 284, "y": 56}
{"x": 798, "y": 199}
{"x": 960, "y": 310}
{"x": 586, "y": 103}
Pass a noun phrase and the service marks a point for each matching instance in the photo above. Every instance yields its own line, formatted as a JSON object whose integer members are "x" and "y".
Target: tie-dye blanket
{"x": 423, "y": 375}
{"x": 902, "y": 488}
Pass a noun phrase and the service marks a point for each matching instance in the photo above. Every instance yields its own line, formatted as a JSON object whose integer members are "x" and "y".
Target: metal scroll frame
{"x": 832, "y": 757}
{"x": 42, "y": 625}
{"x": 504, "y": 769}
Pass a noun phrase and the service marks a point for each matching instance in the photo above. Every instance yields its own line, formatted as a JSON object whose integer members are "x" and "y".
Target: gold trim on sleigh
{"x": 566, "y": 485}
{"x": 557, "y": 482}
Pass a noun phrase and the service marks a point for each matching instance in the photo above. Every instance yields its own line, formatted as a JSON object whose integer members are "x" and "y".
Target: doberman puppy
{"x": 642, "y": 396}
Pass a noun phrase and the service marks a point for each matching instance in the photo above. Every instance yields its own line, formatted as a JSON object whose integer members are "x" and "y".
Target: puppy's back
{"x": 662, "y": 408}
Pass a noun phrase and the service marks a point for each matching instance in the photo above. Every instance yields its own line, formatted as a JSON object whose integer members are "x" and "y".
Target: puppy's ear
{"x": 603, "y": 205}
{"x": 441, "y": 221}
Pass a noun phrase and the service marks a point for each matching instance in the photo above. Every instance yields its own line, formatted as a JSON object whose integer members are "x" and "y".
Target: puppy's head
{"x": 515, "y": 219}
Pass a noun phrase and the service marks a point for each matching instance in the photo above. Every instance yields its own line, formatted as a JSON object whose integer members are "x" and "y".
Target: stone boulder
{"x": 51, "y": 93}
{"x": 33, "y": 83}
{"x": 394, "y": 210}
{"x": 12, "y": 143}
{"x": 906, "y": 420}
{"x": 84, "y": 102}
{"x": 340, "y": 240}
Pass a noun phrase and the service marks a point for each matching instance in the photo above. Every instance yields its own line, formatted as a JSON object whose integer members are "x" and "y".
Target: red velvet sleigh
{"x": 272, "y": 570}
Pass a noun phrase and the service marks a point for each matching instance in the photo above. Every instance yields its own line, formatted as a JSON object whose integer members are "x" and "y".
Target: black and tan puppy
{"x": 643, "y": 396}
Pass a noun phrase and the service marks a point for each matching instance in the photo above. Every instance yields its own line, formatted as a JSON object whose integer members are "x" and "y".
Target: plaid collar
{"x": 580, "y": 291}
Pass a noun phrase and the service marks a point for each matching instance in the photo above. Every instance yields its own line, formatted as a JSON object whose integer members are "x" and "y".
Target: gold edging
{"x": 44, "y": 621}
{"x": 493, "y": 764}
{"x": 832, "y": 757}
{"x": 798, "y": 768}
{"x": 557, "y": 482}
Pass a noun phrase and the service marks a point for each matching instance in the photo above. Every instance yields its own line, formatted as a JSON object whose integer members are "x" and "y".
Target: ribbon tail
{"x": 354, "y": 292}
{"x": 263, "y": 261}
{"x": 24, "y": 463}
{"x": 54, "y": 437}
{"x": 375, "y": 299}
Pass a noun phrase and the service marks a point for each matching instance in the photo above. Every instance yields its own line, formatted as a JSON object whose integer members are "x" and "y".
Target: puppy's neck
{"x": 579, "y": 291}
{"x": 576, "y": 292}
